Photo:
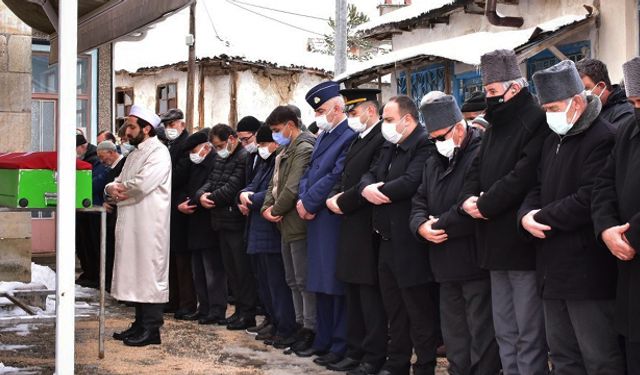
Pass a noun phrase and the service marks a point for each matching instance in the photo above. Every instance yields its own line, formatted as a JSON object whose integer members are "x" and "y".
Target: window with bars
{"x": 424, "y": 80}
{"x": 166, "y": 97}
{"x": 545, "y": 59}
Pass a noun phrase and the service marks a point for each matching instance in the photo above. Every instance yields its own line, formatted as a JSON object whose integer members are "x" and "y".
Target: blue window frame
{"x": 545, "y": 59}
{"x": 465, "y": 84}
{"x": 423, "y": 81}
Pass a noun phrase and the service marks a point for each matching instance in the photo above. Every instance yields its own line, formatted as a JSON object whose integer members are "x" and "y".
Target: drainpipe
{"x": 498, "y": 20}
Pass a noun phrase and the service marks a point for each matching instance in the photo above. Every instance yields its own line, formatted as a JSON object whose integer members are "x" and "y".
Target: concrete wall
{"x": 257, "y": 92}
{"x": 614, "y": 42}
{"x": 15, "y": 127}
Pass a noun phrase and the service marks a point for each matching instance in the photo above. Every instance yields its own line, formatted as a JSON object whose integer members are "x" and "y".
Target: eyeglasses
{"x": 244, "y": 140}
{"x": 441, "y": 138}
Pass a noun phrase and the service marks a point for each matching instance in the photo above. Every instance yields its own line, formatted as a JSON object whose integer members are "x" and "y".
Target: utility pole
{"x": 340, "y": 38}
{"x": 191, "y": 67}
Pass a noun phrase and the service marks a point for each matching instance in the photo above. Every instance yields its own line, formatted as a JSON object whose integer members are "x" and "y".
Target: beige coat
{"x": 141, "y": 264}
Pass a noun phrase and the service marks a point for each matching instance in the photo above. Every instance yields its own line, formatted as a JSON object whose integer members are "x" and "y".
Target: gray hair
{"x": 522, "y": 82}
{"x": 431, "y": 96}
{"x": 107, "y": 146}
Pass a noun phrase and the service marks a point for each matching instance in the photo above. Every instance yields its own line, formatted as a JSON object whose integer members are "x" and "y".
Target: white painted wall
{"x": 257, "y": 94}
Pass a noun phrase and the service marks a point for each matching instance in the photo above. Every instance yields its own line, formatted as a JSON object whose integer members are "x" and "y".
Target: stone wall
{"x": 105, "y": 120}
{"x": 15, "y": 130}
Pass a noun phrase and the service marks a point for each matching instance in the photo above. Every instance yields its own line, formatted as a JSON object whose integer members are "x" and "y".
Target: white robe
{"x": 141, "y": 263}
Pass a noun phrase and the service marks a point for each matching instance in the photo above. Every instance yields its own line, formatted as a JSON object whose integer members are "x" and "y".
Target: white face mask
{"x": 446, "y": 147}
{"x": 171, "y": 133}
{"x": 224, "y": 153}
{"x": 558, "y": 120}
{"x": 590, "y": 92}
{"x": 196, "y": 158}
{"x": 251, "y": 147}
{"x": 389, "y": 132}
{"x": 323, "y": 123}
{"x": 264, "y": 152}
{"x": 356, "y": 125}
{"x": 126, "y": 148}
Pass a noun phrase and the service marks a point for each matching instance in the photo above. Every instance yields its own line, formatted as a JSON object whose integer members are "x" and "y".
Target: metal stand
{"x": 103, "y": 253}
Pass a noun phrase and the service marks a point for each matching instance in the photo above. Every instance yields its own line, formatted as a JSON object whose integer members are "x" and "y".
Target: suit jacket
{"x": 358, "y": 251}
{"x": 400, "y": 168}
{"x": 325, "y": 169}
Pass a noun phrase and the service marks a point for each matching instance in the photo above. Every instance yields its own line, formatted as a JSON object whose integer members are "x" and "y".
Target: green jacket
{"x": 294, "y": 162}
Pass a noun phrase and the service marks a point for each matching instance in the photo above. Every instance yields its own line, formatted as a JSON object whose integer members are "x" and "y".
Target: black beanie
{"x": 264, "y": 134}
{"x": 80, "y": 140}
{"x": 248, "y": 124}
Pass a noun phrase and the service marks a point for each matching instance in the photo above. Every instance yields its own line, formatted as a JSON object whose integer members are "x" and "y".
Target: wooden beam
{"x": 201, "y": 97}
{"x": 527, "y": 52}
{"x": 233, "y": 98}
{"x": 557, "y": 53}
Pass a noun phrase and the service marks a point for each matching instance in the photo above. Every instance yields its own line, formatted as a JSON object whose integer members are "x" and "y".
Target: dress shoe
{"x": 180, "y": 314}
{"x": 385, "y": 372}
{"x": 229, "y": 320}
{"x": 144, "y": 338}
{"x": 328, "y": 359}
{"x": 346, "y": 364}
{"x": 133, "y": 330}
{"x": 255, "y": 330}
{"x": 304, "y": 338}
{"x": 192, "y": 315}
{"x": 268, "y": 335}
{"x": 280, "y": 342}
{"x": 365, "y": 369}
{"x": 309, "y": 352}
{"x": 209, "y": 319}
{"x": 242, "y": 323}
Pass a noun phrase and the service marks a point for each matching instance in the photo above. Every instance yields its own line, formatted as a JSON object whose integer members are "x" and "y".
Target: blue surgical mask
{"x": 279, "y": 138}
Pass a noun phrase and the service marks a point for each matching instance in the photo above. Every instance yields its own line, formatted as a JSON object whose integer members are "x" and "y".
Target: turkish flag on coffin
{"x": 35, "y": 160}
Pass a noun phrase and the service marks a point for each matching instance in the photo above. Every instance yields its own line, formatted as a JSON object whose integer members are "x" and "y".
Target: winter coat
{"x": 141, "y": 263}
{"x": 504, "y": 171}
{"x": 615, "y": 202}
{"x": 617, "y": 110}
{"x": 293, "y": 162}
{"x": 226, "y": 179}
{"x": 323, "y": 232}
{"x": 570, "y": 262}
{"x": 400, "y": 168}
{"x": 456, "y": 259}
{"x": 263, "y": 236}
{"x": 179, "y": 176}
{"x": 99, "y": 173}
{"x": 200, "y": 235}
{"x": 357, "y": 260}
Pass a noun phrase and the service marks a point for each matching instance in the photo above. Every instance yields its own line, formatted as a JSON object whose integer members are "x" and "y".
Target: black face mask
{"x": 495, "y": 102}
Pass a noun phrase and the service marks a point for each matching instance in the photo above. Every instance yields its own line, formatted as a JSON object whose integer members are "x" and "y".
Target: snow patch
{"x": 416, "y": 9}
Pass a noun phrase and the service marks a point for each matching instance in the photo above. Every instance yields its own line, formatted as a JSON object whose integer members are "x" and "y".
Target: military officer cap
{"x": 172, "y": 115}
{"x": 353, "y": 97}
{"x": 322, "y": 92}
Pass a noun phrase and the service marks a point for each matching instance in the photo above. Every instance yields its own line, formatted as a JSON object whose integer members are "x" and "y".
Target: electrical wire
{"x": 273, "y": 19}
{"x": 215, "y": 31}
{"x": 280, "y": 10}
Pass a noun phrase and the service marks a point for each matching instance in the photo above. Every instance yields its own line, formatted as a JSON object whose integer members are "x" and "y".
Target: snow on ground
{"x": 43, "y": 277}
{"x": 14, "y": 370}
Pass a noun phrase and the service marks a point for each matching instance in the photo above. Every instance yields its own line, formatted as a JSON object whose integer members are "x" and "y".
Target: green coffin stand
{"x": 36, "y": 188}
{"x": 28, "y": 180}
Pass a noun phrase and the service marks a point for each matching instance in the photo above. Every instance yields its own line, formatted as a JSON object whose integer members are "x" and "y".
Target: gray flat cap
{"x": 172, "y": 115}
{"x": 631, "y": 71}
{"x": 441, "y": 113}
{"x": 559, "y": 82}
{"x": 499, "y": 66}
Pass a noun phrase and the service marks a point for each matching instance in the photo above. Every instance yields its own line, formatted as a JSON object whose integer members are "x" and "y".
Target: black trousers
{"x": 149, "y": 315}
{"x": 210, "y": 282}
{"x": 412, "y": 321}
{"x": 88, "y": 244}
{"x": 467, "y": 327}
{"x": 182, "y": 294}
{"x": 366, "y": 324}
{"x": 633, "y": 356}
{"x": 239, "y": 273}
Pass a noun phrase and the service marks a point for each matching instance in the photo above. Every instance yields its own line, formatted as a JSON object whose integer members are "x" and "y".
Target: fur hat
{"x": 441, "y": 113}
{"x": 476, "y": 103}
{"x": 631, "y": 71}
{"x": 196, "y": 138}
{"x": 559, "y": 82}
{"x": 499, "y": 66}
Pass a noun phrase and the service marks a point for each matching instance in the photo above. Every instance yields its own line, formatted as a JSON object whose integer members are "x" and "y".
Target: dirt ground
{"x": 187, "y": 348}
